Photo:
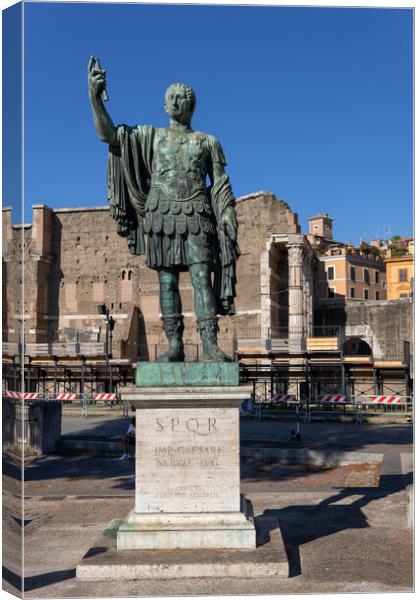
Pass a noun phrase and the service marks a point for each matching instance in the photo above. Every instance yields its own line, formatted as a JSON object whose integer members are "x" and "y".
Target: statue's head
{"x": 180, "y": 102}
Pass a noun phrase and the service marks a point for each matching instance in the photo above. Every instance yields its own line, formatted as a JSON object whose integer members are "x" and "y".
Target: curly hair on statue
{"x": 189, "y": 92}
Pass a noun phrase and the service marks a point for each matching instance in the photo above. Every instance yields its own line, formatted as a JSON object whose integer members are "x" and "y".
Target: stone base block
{"x": 173, "y": 374}
{"x": 104, "y": 562}
{"x": 186, "y": 530}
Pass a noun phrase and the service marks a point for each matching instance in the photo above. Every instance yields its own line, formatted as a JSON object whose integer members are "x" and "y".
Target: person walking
{"x": 129, "y": 438}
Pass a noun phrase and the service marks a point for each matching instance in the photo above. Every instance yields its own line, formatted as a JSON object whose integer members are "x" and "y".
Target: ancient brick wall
{"x": 74, "y": 260}
{"x": 93, "y": 265}
{"x": 260, "y": 216}
{"x": 388, "y": 321}
{"x": 12, "y": 279}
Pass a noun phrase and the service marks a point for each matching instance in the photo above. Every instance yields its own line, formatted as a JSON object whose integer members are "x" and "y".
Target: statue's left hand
{"x": 230, "y": 223}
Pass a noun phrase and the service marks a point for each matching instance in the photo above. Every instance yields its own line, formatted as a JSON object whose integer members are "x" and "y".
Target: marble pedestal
{"x": 187, "y": 470}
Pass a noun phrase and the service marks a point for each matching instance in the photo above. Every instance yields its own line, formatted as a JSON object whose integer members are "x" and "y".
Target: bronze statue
{"x": 160, "y": 200}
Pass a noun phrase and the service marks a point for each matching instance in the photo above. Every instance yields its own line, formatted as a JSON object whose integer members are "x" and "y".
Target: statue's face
{"x": 177, "y": 103}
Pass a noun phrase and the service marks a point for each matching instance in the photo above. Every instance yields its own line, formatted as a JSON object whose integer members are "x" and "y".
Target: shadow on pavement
{"x": 37, "y": 581}
{"x": 301, "y": 524}
{"x": 120, "y": 474}
{"x": 105, "y": 430}
{"x": 339, "y": 436}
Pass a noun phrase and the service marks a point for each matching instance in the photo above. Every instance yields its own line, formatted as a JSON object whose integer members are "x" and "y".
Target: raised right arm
{"x": 104, "y": 125}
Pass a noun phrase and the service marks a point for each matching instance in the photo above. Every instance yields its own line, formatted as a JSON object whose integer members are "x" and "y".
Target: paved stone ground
{"x": 345, "y": 528}
{"x": 343, "y": 436}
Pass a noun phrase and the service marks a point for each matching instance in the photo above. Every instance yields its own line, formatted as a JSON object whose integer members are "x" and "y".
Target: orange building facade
{"x": 345, "y": 274}
{"x": 399, "y": 277}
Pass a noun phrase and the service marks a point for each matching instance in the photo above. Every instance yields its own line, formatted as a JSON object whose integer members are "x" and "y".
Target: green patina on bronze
{"x": 159, "y": 198}
{"x": 173, "y": 374}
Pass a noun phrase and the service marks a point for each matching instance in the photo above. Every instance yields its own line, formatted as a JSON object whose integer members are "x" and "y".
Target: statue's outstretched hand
{"x": 96, "y": 77}
{"x": 230, "y": 223}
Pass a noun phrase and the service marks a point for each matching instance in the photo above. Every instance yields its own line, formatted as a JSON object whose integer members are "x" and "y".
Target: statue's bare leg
{"x": 171, "y": 309}
{"x": 206, "y": 311}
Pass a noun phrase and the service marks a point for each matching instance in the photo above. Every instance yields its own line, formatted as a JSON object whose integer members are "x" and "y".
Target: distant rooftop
{"x": 320, "y": 216}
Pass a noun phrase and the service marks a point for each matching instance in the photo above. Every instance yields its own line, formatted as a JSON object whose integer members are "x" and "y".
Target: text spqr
{"x": 198, "y": 425}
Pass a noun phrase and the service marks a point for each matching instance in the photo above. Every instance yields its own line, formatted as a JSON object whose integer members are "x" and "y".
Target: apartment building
{"x": 399, "y": 276}
{"x": 345, "y": 274}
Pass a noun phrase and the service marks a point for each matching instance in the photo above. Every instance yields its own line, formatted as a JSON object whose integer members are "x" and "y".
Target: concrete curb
{"x": 312, "y": 457}
{"x": 90, "y": 447}
{"x": 287, "y": 455}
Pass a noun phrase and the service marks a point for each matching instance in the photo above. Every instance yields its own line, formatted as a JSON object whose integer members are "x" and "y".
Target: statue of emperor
{"x": 159, "y": 198}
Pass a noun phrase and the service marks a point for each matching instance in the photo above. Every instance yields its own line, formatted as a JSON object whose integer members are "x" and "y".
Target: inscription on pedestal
{"x": 187, "y": 461}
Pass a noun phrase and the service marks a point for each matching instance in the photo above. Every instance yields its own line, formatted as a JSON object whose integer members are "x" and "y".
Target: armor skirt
{"x": 179, "y": 233}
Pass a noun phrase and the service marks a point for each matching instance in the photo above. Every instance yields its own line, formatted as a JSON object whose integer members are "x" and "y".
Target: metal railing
{"x": 54, "y": 348}
{"x": 392, "y": 350}
{"x": 83, "y": 400}
{"x": 357, "y": 407}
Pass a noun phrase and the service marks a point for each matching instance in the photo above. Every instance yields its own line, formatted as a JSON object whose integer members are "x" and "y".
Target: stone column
{"x": 308, "y": 292}
{"x": 296, "y": 298}
{"x": 265, "y": 291}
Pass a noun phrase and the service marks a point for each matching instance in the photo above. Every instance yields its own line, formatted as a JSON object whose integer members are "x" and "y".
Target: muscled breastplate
{"x": 179, "y": 164}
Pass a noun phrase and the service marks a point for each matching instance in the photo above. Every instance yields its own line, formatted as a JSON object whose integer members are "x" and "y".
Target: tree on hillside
{"x": 396, "y": 249}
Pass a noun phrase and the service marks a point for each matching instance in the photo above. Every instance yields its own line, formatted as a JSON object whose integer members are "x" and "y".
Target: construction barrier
{"x": 10, "y": 394}
{"x": 333, "y": 399}
{"x": 356, "y": 406}
{"x": 386, "y": 399}
{"x": 360, "y": 404}
{"x": 103, "y": 396}
{"x": 66, "y": 396}
{"x": 281, "y": 398}
{"x": 69, "y": 397}
{"x": 22, "y": 396}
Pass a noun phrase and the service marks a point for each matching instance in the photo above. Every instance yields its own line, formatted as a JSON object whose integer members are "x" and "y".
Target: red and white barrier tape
{"x": 10, "y": 394}
{"x": 283, "y": 398}
{"x": 105, "y": 396}
{"x": 386, "y": 399}
{"x": 19, "y": 395}
{"x": 66, "y": 396}
{"x": 333, "y": 398}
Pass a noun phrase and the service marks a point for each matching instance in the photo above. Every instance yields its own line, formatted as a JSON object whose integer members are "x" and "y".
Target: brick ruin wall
{"x": 388, "y": 321}
{"x": 74, "y": 260}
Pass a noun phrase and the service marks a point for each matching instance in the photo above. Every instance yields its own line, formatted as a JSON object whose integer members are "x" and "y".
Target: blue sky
{"x": 313, "y": 104}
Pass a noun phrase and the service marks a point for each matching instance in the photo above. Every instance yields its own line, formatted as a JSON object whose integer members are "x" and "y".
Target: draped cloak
{"x": 129, "y": 178}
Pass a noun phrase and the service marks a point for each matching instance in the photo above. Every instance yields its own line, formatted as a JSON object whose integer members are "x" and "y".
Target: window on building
{"x": 403, "y": 296}
{"x": 376, "y": 276}
{"x": 366, "y": 294}
{"x": 331, "y": 273}
{"x": 384, "y": 285}
{"x": 123, "y": 275}
{"x": 352, "y": 292}
{"x": 366, "y": 276}
{"x": 377, "y": 295}
{"x": 402, "y": 275}
{"x": 353, "y": 273}
{"x": 129, "y": 275}
{"x": 331, "y": 292}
